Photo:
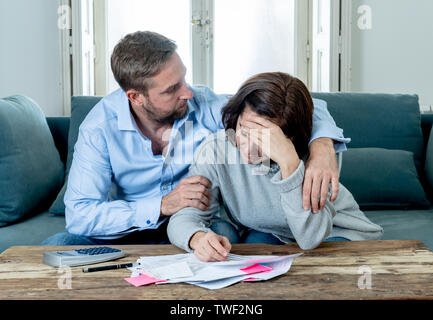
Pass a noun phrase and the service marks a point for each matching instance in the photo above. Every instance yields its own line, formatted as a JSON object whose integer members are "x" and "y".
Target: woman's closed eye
{"x": 242, "y": 131}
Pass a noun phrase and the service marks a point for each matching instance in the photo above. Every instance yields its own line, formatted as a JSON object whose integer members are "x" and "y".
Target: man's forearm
{"x": 321, "y": 170}
{"x": 320, "y": 143}
{"x": 325, "y": 126}
{"x": 321, "y": 146}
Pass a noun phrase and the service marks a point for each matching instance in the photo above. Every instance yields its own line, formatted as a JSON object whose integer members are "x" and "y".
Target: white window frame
{"x": 102, "y": 56}
{"x": 340, "y": 45}
{"x": 335, "y": 47}
{"x": 345, "y": 45}
{"x": 202, "y": 18}
{"x": 83, "y": 73}
{"x": 65, "y": 55}
{"x": 202, "y": 41}
{"x": 202, "y": 15}
{"x": 303, "y": 37}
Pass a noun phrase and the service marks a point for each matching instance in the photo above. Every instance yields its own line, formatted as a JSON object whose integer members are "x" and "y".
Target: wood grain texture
{"x": 401, "y": 269}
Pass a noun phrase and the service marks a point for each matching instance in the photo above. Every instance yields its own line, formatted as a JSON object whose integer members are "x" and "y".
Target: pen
{"x": 114, "y": 266}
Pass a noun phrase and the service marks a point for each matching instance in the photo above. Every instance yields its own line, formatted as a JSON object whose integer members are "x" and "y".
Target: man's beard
{"x": 153, "y": 113}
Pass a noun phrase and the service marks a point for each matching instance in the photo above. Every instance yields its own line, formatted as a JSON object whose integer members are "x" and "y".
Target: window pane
{"x": 251, "y": 36}
{"x": 321, "y": 45}
{"x": 170, "y": 18}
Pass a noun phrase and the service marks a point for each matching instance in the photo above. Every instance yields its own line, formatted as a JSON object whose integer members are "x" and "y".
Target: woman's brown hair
{"x": 279, "y": 97}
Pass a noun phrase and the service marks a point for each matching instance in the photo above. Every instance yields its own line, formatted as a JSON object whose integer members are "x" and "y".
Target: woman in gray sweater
{"x": 256, "y": 167}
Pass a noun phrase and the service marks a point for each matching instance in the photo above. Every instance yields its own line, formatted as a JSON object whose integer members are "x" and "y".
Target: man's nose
{"x": 186, "y": 93}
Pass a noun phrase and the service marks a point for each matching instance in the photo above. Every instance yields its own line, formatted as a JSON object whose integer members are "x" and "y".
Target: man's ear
{"x": 136, "y": 98}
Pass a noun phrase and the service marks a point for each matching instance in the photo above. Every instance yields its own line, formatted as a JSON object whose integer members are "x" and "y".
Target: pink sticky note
{"x": 249, "y": 279}
{"x": 256, "y": 268}
{"x": 142, "y": 280}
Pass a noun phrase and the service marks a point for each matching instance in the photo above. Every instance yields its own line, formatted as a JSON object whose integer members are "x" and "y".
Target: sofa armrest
{"x": 59, "y": 127}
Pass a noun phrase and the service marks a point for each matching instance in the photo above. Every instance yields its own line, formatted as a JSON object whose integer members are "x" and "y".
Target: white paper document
{"x": 172, "y": 271}
{"x": 212, "y": 275}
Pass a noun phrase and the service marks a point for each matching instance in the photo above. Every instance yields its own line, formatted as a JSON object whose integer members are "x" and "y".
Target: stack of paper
{"x": 211, "y": 275}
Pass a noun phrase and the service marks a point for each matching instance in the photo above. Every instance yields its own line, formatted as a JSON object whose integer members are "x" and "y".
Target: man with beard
{"x": 131, "y": 159}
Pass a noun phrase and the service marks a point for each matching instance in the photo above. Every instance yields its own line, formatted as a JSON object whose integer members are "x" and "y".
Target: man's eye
{"x": 173, "y": 89}
{"x": 170, "y": 91}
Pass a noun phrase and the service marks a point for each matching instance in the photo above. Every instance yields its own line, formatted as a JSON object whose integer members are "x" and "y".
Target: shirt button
{"x": 165, "y": 187}
{"x": 148, "y": 221}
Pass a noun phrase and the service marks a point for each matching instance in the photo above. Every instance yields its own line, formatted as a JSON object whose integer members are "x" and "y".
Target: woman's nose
{"x": 252, "y": 148}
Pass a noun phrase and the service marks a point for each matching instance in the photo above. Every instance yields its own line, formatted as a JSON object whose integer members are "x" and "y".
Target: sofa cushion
{"x": 32, "y": 231}
{"x": 31, "y": 171}
{"x": 389, "y": 121}
{"x": 405, "y": 224}
{"x": 80, "y": 107}
{"x": 58, "y": 207}
{"x": 380, "y": 177}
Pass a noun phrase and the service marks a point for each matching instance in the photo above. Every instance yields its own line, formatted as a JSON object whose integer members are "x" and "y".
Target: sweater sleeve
{"x": 186, "y": 222}
{"x": 308, "y": 229}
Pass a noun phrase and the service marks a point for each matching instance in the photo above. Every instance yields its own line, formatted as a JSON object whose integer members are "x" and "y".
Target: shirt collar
{"x": 124, "y": 116}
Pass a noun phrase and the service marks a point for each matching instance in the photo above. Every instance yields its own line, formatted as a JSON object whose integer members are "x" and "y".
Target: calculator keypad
{"x": 97, "y": 250}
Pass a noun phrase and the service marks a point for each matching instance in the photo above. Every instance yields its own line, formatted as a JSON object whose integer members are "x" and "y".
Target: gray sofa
{"x": 382, "y": 127}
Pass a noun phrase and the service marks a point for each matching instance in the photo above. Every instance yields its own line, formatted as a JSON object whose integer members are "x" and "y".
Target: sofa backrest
{"x": 426, "y": 126}
{"x": 59, "y": 127}
{"x": 371, "y": 120}
{"x": 389, "y": 121}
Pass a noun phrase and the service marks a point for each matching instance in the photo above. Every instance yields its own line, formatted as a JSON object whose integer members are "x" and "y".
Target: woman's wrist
{"x": 195, "y": 239}
{"x": 288, "y": 167}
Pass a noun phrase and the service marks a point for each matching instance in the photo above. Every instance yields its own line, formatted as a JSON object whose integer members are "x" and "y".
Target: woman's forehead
{"x": 247, "y": 111}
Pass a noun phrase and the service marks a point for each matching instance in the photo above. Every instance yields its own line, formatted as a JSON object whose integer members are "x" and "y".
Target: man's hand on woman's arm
{"x": 321, "y": 170}
{"x": 190, "y": 192}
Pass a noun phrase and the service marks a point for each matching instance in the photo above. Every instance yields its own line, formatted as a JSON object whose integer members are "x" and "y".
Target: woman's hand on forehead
{"x": 256, "y": 122}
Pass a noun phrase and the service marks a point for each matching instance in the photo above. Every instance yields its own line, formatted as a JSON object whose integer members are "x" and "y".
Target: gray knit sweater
{"x": 255, "y": 197}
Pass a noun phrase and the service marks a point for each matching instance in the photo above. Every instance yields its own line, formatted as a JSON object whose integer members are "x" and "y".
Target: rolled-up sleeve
{"x": 324, "y": 126}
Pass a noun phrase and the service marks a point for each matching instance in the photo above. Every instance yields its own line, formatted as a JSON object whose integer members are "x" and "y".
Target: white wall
{"x": 396, "y": 54}
{"x": 30, "y": 52}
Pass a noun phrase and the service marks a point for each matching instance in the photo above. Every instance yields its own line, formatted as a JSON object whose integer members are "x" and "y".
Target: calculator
{"x": 80, "y": 257}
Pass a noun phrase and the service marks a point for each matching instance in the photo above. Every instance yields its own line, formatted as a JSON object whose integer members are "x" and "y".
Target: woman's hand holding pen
{"x": 209, "y": 246}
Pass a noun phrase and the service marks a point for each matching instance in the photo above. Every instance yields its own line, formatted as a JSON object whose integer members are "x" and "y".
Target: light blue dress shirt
{"x": 116, "y": 184}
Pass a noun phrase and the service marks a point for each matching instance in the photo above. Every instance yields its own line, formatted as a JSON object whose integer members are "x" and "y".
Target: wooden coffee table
{"x": 391, "y": 269}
